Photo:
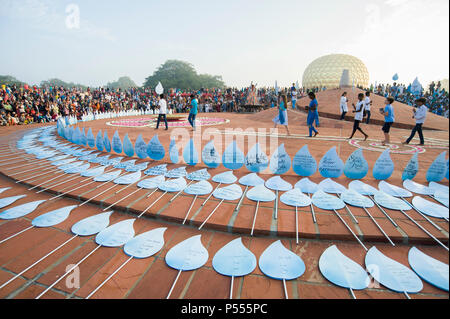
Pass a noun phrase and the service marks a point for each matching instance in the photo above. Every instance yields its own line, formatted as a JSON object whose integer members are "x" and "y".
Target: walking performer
{"x": 359, "y": 111}
{"x": 420, "y": 114}
{"x": 282, "y": 117}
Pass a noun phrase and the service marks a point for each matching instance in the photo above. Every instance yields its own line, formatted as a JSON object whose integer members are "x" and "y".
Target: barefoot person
{"x": 162, "y": 111}
{"x": 343, "y": 105}
{"x": 389, "y": 118}
{"x": 367, "y": 105}
{"x": 282, "y": 117}
{"x": 359, "y": 111}
{"x": 420, "y": 114}
{"x": 312, "y": 108}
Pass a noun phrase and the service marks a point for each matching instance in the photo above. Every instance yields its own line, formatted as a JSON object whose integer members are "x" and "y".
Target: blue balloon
{"x": 190, "y": 154}
{"x": 429, "y": 269}
{"x": 256, "y": 160}
{"x": 342, "y": 271}
{"x": 331, "y": 166}
{"x": 384, "y": 166}
{"x": 303, "y": 163}
{"x": 391, "y": 273}
{"x": 279, "y": 263}
{"x": 155, "y": 150}
{"x": 356, "y": 166}
{"x": 234, "y": 259}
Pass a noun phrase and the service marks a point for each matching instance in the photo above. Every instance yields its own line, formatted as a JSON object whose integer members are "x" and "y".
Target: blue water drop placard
{"x": 411, "y": 168}
{"x": 438, "y": 169}
{"x": 99, "y": 141}
{"x": 362, "y": 188}
{"x": 146, "y": 244}
{"x": 116, "y": 235}
{"x": 173, "y": 185}
{"x": 128, "y": 148}
{"x": 188, "y": 255}
{"x": 342, "y": 271}
{"x": 128, "y": 179}
{"x": 116, "y": 143}
{"x": 331, "y": 166}
{"x": 141, "y": 147}
{"x": 330, "y": 186}
{"x": 295, "y": 198}
{"x": 107, "y": 177}
{"x": 176, "y": 172}
{"x": 155, "y": 150}
{"x": 234, "y": 259}
{"x": 276, "y": 183}
{"x": 53, "y": 218}
{"x": 384, "y": 166}
{"x": 233, "y": 157}
{"x": 356, "y": 166}
{"x": 429, "y": 269}
{"x": 393, "y": 190}
{"x": 430, "y": 208}
{"x": 303, "y": 163}
{"x": 256, "y": 160}
{"x": 417, "y": 188}
{"x": 279, "y": 263}
{"x": 306, "y": 186}
{"x": 173, "y": 152}
{"x": 327, "y": 202}
{"x": 157, "y": 170}
{"x": 280, "y": 162}
{"x": 231, "y": 192}
{"x": 151, "y": 183}
{"x": 200, "y": 175}
{"x": 210, "y": 156}
{"x": 190, "y": 154}
{"x": 106, "y": 142}
{"x": 9, "y": 200}
{"x": 91, "y": 225}
{"x": 261, "y": 194}
{"x": 21, "y": 210}
{"x": 225, "y": 178}
{"x": 93, "y": 172}
{"x": 391, "y": 273}
{"x": 354, "y": 198}
{"x": 251, "y": 180}
{"x": 390, "y": 202}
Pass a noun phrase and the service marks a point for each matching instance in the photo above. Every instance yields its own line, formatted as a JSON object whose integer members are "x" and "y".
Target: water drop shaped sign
{"x": 141, "y": 147}
{"x": 354, "y": 198}
{"x": 190, "y": 154}
{"x": 53, "y": 218}
{"x": 306, "y": 186}
{"x": 200, "y": 175}
{"x": 326, "y": 201}
{"x": 411, "y": 168}
{"x": 91, "y": 225}
{"x": 295, "y": 198}
{"x": 429, "y": 208}
{"x": 21, "y": 210}
{"x": 356, "y": 166}
{"x": 173, "y": 152}
{"x": 159, "y": 89}
{"x": 438, "y": 169}
{"x": 99, "y": 141}
{"x": 342, "y": 271}
{"x": 391, "y": 273}
{"x": 155, "y": 150}
{"x": 251, "y": 180}
{"x": 390, "y": 202}
{"x": 176, "y": 172}
{"x": 417, "y": 188}
{"x": 261, "y": 194}
{"x": 107, "y": 176}
{"x": 128, "y": 148}
{"x": 116, "y": 143}
{"x": 331, "y": 166}
{"x": 231, "y": 192}
{"x": 303, "y": 163}
{"x": 9, "y": 200}
{"x": 256, "y": 160}
{"x": 233, "y": 158}
{"x": 225, "y": 178}
{"x": 157, "y": 170}
{"x": 106, "y": 142}
{"x": 199, "y": 189}
{"x": 234, "y": 259}
{"x": 151, "y": 183}
{"x": 280, "y": 162}
{"x": 188, "y": 255}
{"x": 394, "y": 190}
{"x": 83, "y": 138}
{"x": 384, "y": 166}
{"x": 116, "y": 235}
{"x": 128, "y": 179}
{"x": 362, "y": 188}
{"x": 210, "y": 156}
{"x": 429, "y": 269}
{"x": 173, "y": 185}
{"x": 330, "y": 186}
{"x": 146, "y": 244}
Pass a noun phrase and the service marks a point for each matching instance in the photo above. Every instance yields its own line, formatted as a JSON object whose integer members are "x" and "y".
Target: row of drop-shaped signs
{"x": 303, "y": 163}
{"x": 235, "y": 260}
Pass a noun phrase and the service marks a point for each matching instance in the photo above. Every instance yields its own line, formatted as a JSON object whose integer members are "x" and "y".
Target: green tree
{"x": 182, "y": 75}
{"x": 123, "y": 82}
{"x": 58, "y": 83}
{"x": 10, "y": 80}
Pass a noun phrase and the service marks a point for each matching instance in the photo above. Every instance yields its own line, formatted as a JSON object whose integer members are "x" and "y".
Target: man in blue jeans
{"x": 193, "y": 112}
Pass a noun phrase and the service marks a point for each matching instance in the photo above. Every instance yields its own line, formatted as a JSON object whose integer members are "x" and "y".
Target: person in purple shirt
{"x": 389, "y": 118}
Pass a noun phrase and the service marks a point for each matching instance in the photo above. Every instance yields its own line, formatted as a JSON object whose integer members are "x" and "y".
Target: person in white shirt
{"x": 293, "y": 96}
{"x": 367, "y": 104}
{"x": 420, "y": 114}
{"x": 162, "y": 111}
{"x": 343, "y": 105}
{"x": 359, "y": 111}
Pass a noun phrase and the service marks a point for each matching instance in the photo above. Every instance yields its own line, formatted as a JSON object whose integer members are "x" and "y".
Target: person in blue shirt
{"x": 389, "y": 118}
{"x": 282, "y": 117}
{"x": 312, "y": 109}
{"x": 193, "y": 112}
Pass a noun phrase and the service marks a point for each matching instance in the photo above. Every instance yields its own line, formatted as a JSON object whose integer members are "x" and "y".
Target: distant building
{"x": 327, "y": 71}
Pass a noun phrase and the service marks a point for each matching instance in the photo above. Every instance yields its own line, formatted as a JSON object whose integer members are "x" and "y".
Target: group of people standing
{"x": 162, "y": 104}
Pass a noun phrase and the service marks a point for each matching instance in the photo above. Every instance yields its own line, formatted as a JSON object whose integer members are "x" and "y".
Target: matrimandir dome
{"x": 327, "y": 71}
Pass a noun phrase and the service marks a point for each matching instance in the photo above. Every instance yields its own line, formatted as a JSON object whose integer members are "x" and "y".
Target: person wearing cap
{"x": 420, "y": 115}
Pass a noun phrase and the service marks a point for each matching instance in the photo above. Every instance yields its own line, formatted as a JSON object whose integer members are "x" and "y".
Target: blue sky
{"x": 260, "y": 41}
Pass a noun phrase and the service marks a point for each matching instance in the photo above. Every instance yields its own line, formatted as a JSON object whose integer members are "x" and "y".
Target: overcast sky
{"x": 243, "y": 41}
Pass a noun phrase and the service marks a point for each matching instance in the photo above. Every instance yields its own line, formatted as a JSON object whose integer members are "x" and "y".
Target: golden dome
{"x": 327, "y": 70}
